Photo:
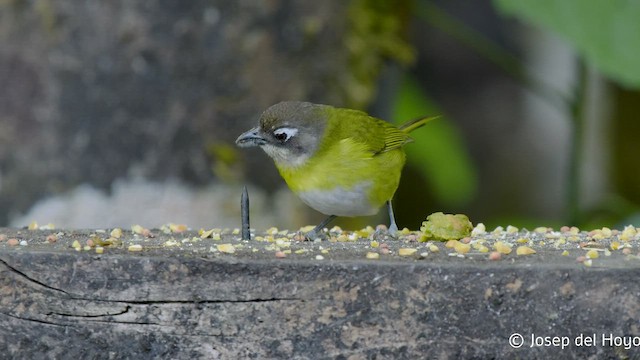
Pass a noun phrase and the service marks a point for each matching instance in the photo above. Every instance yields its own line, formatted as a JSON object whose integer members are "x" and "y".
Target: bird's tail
{"x": 409, "y": 126}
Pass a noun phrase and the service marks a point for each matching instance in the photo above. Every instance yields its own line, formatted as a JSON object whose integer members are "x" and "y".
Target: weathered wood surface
{"x": 182, "y": 303}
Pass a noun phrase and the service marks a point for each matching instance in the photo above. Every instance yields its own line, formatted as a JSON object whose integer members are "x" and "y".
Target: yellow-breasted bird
{"x": 340, "y": 162}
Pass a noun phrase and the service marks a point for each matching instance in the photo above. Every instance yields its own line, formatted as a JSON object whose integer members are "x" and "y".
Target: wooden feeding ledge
{"x": 176, "y": 293}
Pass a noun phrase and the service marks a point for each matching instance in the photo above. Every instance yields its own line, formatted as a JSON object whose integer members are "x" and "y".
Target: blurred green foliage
{"x": 439, "y": 152}
{"x": 605, "y": 33}
{"x": 375, "y": 35}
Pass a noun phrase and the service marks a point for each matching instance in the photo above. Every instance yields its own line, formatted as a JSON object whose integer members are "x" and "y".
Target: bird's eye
{"x": 285, "y": 133}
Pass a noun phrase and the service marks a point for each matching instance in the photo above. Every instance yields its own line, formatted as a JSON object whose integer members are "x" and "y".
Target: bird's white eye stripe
{"x": 284, "y": 133}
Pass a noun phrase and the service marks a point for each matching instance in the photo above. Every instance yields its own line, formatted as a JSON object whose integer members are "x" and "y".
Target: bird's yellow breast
{"x": 343, "y": 172}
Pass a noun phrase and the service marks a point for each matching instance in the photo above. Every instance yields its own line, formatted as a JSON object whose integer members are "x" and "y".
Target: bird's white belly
{"x": 341, "y": 201}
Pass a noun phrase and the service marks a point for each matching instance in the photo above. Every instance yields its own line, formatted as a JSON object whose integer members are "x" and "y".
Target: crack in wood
{"x": 88, "y": 316}
{"x": 44, "y": 322}
{"x": 28, "y": 278}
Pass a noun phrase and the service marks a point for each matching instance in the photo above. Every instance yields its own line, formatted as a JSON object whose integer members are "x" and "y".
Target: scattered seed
{"x": 479, "y": 229}
{"x": 116, "y": 233}
{"x": 226, "y": 248}
{"x": 461, "y": 248}
{"x": 524, "y": 250}
{"x": 13, "y": 242}
{"x": 502, "y": 248}
{"x": 373, "y": 255}
{"x": 540, "y": 230}
{"x": 135, "y": 247}
{"x": 592, "y": 254}
{"x": 588, "y": 262}
{"x": 495, "y": 255}
{"x": 406, "y": 251}
{"x": 280, "y": 254}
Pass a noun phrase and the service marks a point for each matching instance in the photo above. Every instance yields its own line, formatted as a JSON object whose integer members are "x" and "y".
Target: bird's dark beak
{"x": 251, "y": 138}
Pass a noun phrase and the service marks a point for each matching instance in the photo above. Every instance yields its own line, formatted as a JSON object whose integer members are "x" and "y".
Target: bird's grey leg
{"x": 314, "y": 233}
{"x": 393, "y": 227}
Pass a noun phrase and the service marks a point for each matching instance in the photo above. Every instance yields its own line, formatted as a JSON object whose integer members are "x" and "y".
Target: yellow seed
{"x": 592, "y": 254}
{"x": 342, "y": 238}
{"x": 170, "y": 243}
{"x": 116, "y": 233}
{"x": 525, "y": 250}
{"x": 306, "y": 229}
{"x": 235, "y": 231}
{"x": 482, "y": 249}
{"x": 512, "y": 229}
{"x": 615, "y": 245}
{"x": 540, "y": 230}
{"x": 606, "y": 232}
{"x": 406, "y": 251}
{"x": 374, "y": 244}
{"x": 33, "y": 226}
{"x": 226, "y": 248}
{"x": 324, "y": 251}
{"x": 588, "y": 262}
{"x": 373, "y": 255}
{"x": 451, "y": 244}
{"x": 205, "y": 234}
{"x": 76, "y": 245}
{"x": 405, "y": 231}
{"x": 522, "y": 241}
{"x": 135, "y": 247}
{"x": 434, "y": 248}
{"x": 272, "y": 231}
{"x": 461, "y": 248}
{"x": 502, "y": 248}
{"x": 137, "y": 229}
{"x": 178, "y": 228}
{"x": 565, "y": 253}
{"x": 480, "y": 229}
{"x": 99, "y": 249}
{"x": 628, "y": 233}
{"x": 300, "y": 251}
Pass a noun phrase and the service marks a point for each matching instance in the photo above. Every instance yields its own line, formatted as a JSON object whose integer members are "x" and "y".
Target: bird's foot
{"x": 382, "y": 233}
{"x": 312, "y": 235}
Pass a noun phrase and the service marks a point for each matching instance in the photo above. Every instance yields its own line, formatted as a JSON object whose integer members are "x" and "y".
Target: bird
{"x": 338, "y": 161}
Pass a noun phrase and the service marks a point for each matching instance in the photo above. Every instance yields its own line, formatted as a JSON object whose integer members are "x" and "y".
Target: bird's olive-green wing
{"x": 378, "y": 135}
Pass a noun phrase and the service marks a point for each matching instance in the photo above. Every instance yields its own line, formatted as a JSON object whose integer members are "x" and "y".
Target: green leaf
{"x": 605, "y": 32}
{"x": 438, "y": 151}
